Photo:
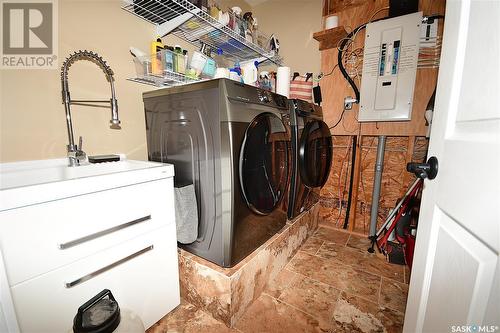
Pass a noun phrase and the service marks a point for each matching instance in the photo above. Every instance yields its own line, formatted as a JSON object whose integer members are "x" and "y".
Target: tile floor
{"x": 332, "y": 284}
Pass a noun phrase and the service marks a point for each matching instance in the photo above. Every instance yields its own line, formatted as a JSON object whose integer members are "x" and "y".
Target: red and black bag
{"x": 301, "y": 87}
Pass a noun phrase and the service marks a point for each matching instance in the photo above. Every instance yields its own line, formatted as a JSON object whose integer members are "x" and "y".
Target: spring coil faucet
{"x": 76, "y": 155}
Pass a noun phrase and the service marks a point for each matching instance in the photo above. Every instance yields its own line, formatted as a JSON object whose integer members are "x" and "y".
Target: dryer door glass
{"x": 315, "y": 153}
{"x": 264, "y": 163}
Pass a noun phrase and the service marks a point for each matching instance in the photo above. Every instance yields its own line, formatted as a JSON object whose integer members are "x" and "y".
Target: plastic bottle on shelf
{"x": 174, "y": 58}
{"x": 198, "y": 61}
{"x": 210, "y": 68}
{"x": 255, "y": 31}
{"x": 186, "y": 63}
{"x": 249, "y": 25}
{"x": 188, "y": 72}
{"x": 156, "y": 61}
{"x": 180, "y": 66}
{"x": 169, "y": 59}
{"x": 250, "y": 72}
{"x": 231, "y": 24}
{"x": 235, "y": 73}
{"x": 213, "y": 9}
{"x": 238, "y": 21}
{"x": 210, "y": 65}
{"x": 237, "y": 67}
{"x": 265, "y": 81}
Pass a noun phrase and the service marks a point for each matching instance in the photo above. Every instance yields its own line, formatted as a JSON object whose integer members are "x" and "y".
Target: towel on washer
{"x": 186, "y": 214}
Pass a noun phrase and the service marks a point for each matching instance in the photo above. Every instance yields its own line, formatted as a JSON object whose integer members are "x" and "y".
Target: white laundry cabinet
{"x": 65, "y": 240}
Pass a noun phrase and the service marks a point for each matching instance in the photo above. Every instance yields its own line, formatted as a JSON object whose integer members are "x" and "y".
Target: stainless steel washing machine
{"x": 311, "y": 156}
{"x": 229, "y": 140}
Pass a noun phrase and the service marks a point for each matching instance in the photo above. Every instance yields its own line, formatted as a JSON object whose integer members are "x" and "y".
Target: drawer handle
{"x": 106, "y": 268}
{"x": 87, "y": 238}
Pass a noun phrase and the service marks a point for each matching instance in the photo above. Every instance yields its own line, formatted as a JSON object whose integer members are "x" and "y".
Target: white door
{"x": 455, "y": 277}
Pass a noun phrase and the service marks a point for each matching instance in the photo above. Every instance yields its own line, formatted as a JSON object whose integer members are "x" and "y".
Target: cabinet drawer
{"x": 142, "y": 279}
{"x": 41, "y": 238}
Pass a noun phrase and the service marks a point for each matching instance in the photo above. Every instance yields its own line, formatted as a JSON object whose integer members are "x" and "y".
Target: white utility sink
{"x": 30, "y": 182}
{"x": 30, "y": 173}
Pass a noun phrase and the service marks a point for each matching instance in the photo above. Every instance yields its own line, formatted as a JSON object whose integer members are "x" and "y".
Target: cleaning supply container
{"x": 102, "y": 314}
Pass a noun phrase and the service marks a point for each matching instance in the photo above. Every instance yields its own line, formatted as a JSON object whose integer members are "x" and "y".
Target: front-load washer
{"x": 311, "y": 156}
{"x": 229, "y": 140}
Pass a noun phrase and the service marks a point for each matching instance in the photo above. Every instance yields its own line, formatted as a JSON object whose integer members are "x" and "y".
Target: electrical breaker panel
{"x": 390, "y": 68}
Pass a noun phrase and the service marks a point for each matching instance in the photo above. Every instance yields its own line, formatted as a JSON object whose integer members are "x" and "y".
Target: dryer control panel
{"x": 254, "y": 95}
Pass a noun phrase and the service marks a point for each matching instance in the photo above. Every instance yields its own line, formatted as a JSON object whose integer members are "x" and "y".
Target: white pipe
{"x": 377, "y": 181}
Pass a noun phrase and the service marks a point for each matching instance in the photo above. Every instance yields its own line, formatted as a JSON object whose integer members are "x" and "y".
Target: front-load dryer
{"x": 311, "y": 156}
{"x": 229, "y": 140}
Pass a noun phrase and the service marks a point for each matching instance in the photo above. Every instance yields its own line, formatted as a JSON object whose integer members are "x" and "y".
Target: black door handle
{"x": 424, "y": 170}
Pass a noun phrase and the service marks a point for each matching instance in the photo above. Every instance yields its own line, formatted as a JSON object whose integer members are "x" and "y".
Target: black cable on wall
{"x": 341, "y": 65}
{"x": 349, "y": 198}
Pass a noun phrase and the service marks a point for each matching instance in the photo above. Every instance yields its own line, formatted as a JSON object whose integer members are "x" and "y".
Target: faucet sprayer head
{"x": 115, "y": 120}
{"x": 115, "y": 124}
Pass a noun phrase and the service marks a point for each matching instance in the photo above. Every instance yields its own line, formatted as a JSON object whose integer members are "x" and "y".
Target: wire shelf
{"x": 168, "y": 79}
{"x": 188, "y": 22}
{"x": 156, "y": 81}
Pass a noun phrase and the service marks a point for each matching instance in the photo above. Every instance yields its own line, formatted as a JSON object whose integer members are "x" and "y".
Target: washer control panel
{"x": 263, "y": 96}
{"x": 250, "y": 94}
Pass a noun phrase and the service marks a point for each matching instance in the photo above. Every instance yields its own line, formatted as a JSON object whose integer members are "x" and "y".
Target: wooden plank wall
{"x": 405, "y": 143}
{"x": 334, "y": 194}
{"x": 335, "y": 6}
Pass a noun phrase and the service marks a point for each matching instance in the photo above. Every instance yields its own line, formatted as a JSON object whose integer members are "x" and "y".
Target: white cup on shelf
{"x": 331, "y": 22}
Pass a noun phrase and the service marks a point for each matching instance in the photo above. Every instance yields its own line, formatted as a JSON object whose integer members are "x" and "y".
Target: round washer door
{"x": 315, "y": 153}
{"x": 264, "y": 163}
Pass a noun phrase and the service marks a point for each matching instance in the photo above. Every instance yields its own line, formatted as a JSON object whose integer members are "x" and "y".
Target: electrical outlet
{"x": 348, "y": 101}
